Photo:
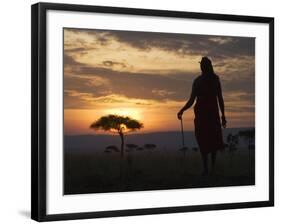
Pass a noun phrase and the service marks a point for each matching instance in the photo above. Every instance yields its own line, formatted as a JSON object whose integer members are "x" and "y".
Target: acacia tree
{"x": 248, "y": 136}
{"x": 233, "y": 141}
{"x": 119, "y": 124}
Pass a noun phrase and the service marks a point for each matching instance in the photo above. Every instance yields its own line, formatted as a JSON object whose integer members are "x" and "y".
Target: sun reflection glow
{"x": 134, "y": 113}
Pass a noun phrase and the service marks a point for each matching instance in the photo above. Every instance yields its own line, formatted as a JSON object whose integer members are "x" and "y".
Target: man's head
{"x": 206, "y": 66}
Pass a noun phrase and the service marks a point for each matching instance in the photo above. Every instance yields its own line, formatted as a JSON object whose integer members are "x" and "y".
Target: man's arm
{"x": 221, "y": 104}
{"x": 189, "y": 103}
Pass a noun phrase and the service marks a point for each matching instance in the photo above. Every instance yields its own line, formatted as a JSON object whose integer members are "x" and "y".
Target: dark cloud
{"x": 241, "y": 109}
{"x": 109, "y": 63}
{"x": 69, "y": 61}
{"x": 78, "y": 50}
{"x": 85, "y": 83}
{"x": 101, "y": 37}
{"x": 131, "y": 85}
{"x": 95, "y": 82}
{"x": 245, "y": 84}
{"x": 184, "y": 44}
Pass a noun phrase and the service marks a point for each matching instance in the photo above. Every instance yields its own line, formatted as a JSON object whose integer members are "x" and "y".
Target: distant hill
{"x": 167, "y": 140}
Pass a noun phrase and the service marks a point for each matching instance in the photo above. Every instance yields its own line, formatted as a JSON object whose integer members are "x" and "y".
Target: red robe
{"x": 207, "y": 122}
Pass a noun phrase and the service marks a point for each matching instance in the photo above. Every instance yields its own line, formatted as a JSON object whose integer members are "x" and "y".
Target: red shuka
{"x": 207, "y": 122}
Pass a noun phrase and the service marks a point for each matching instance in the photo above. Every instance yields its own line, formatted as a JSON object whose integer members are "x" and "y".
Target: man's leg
{"x": 205, "y": 163}
{"x": 214, "y": 156}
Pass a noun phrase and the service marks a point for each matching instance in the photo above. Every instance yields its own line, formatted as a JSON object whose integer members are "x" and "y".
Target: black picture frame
{"x": 38, "y": 108}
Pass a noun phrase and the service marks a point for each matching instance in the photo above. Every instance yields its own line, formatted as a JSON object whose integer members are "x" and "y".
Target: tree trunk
{"x": 122, "y": 157}
{"x": 249, "y": 154}
{"x": 122, "y": 143}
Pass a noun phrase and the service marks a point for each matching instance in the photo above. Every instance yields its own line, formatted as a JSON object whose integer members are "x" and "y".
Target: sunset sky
{"x": 149, "y": 76}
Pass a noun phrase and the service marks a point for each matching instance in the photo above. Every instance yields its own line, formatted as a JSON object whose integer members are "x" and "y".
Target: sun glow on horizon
{"x": 133, "y": 113}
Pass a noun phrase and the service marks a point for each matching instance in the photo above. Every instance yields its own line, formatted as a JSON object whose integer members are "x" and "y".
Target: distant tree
{"x": 107, "y": 151}
{"x": 184, "y": 150}
{"x": 119, "y": 124}
{"x": 131, "y": 147}
{"x": 183, "y": 162}
{"x": 225, "y": 146}
{"x": 149, "y": 146}
{"x": 112, "y": 148}
{"x": 195, "y": 149}
{"x": 249, "y": 137}
{"x": 232, "y": 142}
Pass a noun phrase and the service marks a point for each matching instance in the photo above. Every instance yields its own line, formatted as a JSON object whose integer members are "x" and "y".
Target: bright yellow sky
{"x": 148, "y": 77}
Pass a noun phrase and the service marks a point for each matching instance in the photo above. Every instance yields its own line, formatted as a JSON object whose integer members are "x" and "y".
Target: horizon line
{"x": 151, "y": 132}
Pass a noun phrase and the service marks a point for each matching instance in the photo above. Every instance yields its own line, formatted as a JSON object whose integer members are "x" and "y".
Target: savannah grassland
{"x": 96, "y": 172}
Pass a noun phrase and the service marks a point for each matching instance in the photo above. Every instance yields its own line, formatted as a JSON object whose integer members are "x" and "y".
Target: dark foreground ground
{"x": 153, "y": 170}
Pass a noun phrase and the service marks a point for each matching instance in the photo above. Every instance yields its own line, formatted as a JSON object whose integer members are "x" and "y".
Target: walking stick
{"x": 182, "y": 135}
{"x": 184, "y": 148}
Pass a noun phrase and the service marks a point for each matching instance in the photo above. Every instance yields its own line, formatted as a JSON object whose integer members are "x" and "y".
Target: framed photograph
{"x": 139, "y": 111}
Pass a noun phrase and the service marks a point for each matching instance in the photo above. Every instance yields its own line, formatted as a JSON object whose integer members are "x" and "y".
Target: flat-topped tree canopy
{"x": 118, "y": 123}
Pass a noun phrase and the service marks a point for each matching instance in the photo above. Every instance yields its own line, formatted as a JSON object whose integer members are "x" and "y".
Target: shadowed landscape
{"x": 92, "y": 168}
